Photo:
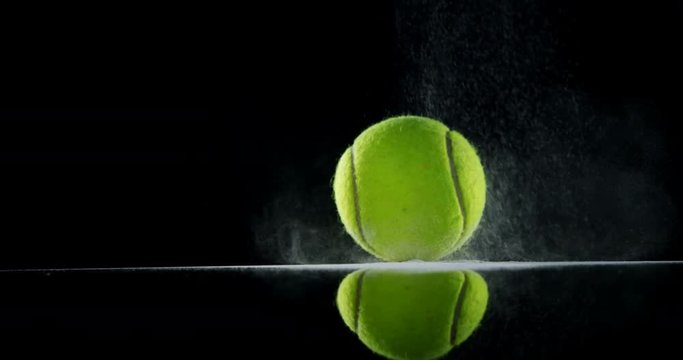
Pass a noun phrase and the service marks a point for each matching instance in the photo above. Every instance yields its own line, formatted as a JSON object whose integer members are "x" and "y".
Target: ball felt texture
{"x": 412, "y": 315}
{"x": 409, "y": 188}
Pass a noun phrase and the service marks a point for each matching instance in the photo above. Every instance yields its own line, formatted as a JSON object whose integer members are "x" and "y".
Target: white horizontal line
{"x": 410, "y": 265}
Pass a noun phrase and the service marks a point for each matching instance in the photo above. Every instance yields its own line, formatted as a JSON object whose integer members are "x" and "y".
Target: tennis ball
{"x": 410, "y": 188}
{"x": 412, "y": 315}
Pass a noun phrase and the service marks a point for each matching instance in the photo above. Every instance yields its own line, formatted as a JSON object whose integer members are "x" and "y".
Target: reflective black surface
{"x": 569, "y": 312}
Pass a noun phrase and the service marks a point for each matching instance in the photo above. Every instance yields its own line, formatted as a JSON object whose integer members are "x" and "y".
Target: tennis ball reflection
{"x": 404, "y": 314}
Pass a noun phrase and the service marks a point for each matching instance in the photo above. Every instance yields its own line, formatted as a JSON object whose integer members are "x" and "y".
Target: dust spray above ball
{"x": 409, "y": 188}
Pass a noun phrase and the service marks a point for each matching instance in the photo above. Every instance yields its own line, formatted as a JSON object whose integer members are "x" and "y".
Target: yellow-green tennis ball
{"x": 410, "y": 188}
{"x": 412, "y": 315}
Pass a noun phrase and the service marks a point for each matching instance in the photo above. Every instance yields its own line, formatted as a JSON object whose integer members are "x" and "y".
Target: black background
{"x": 161, "y": 136}
{"x": 164, "y": 136}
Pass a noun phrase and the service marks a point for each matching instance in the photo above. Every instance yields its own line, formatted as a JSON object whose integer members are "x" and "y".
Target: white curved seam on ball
{"x": 456, "y": 184}
{"x": 458, "y": 309}
{"x": 356, "y": 201}
{"x": 356, "y": 305}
